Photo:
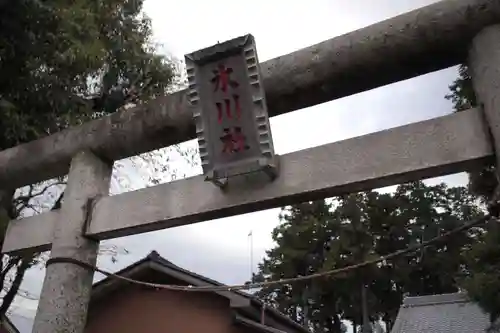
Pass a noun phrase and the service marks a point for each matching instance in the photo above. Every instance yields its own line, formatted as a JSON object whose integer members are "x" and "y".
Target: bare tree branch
{"x": 22, "y": 263}
{"x": 31, "y": 195}
{"x": 12, "y": 261}
{"x": 12, "y": 292}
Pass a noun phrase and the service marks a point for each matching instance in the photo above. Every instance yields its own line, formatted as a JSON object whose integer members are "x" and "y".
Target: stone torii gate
{"x": 428, "y": 39}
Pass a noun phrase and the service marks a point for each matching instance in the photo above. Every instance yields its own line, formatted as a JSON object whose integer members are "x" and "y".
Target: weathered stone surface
{"x": 66, "y": 288}
{"x": 484, "y": 65}
{"x": 440, "y": 146}
{"x": 415, "y": 43}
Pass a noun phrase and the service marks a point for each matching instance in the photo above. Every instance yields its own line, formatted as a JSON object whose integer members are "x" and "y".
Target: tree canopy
{"x": 320, "y": 236}
{"x": 63, "y": 63}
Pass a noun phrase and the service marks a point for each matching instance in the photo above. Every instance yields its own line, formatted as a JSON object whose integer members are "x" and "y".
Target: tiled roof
{"x": 99, "y": 288}
{"x": 446, "y": 313}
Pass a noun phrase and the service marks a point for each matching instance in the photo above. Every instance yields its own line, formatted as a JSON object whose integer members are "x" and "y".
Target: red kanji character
{"x": 233, "y": 141}
{"x": 227, "y": 140}
{"x": 222, "y": 78}
{"x": 227, "y": 103}
{"x": 240, "y": 140}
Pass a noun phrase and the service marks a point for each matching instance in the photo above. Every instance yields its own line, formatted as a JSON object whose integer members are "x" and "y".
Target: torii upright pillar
{"x": 66, "y": 289}
{"x": 484, "y": 66}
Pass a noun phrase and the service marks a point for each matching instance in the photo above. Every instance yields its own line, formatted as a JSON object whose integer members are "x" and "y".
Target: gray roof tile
{"x": 447, "y": 313}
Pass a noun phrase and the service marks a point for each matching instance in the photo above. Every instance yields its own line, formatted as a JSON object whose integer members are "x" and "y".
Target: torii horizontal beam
{"x": 415, "y": 43}
{"x": 431, "y": 148}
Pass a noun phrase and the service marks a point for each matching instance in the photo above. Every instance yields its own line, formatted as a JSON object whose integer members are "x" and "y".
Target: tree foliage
{"x": 63, "y": 63}
{"x": 483, "y": 262}
{"x": 319, "y": 236}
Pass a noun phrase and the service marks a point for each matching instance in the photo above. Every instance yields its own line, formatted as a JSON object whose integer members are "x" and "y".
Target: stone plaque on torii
{"x": 230, "y": 111}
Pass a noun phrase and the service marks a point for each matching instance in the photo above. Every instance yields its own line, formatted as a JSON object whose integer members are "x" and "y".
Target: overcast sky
{"x": 220, "y": 249}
